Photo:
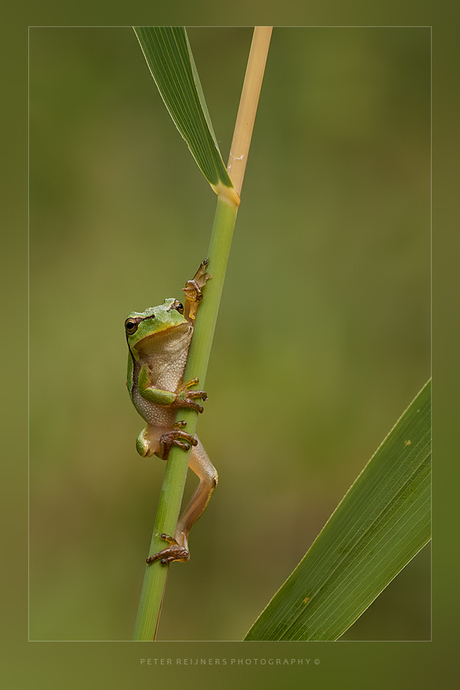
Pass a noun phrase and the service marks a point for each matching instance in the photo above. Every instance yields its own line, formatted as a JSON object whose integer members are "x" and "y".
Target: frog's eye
{"x": 131, "y": 326}
{"x": 177, "y": 306}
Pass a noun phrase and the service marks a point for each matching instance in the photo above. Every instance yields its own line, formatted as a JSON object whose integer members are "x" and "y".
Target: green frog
{"x": 158, "y": 342}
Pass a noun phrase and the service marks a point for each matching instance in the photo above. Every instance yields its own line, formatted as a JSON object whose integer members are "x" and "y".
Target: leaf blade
{"x": 169, "y": 57}
{"x": 378, "y": 527}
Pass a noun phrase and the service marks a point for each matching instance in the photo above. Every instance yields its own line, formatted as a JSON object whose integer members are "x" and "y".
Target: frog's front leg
{"x": 193, "y": 291}
{"x": 205, "y": 471}
{"x": 183, "y": 397}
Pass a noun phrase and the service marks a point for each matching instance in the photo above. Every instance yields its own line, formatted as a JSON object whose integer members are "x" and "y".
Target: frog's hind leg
{"x": 205, "y": 471}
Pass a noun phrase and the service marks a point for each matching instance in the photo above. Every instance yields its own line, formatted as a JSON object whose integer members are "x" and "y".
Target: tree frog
{"x": 158, "y": 343}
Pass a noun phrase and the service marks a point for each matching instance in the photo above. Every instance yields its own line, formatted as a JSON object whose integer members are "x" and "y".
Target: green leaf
{"x": 379, "y": 526}
{"x": 170, "y": 60}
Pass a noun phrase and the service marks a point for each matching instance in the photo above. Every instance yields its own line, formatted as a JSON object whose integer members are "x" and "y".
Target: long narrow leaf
{"x": 378, "y": 527}
{"x": 169, "y": 57}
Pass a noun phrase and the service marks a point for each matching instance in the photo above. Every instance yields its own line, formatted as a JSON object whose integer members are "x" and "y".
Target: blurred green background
{"x": 322, "y": 341}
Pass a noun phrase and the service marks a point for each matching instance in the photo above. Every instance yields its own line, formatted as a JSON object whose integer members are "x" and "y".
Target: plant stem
{"x": 176, "y": 468}
{"x": 219, "y": 249}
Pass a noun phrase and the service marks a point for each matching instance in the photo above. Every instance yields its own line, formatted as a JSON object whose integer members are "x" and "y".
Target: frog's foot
{"x": 193, "y": 291}
{"x": 174, "y": 552}
{"x": 186, "y": 397}
{"x": 176, "y": 437}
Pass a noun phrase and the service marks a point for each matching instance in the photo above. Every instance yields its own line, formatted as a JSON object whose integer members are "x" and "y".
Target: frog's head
{"x": 166, "y": 319}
